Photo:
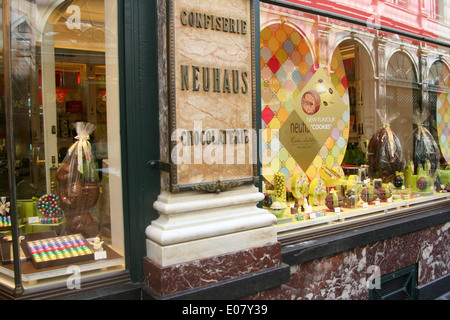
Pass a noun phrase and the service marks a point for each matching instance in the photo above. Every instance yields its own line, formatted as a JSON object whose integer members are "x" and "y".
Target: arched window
{"x": 403, "y": 96}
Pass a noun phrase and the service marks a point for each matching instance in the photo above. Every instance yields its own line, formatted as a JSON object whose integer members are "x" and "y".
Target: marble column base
{"x": 201, "y": 238}
{"x": 189, "y": 275}
{"x": 198, "y": 249}
{"x": 196, "y": 225}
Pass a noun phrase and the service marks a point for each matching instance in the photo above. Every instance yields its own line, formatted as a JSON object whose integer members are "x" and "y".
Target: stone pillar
{"x": 324, "y": 54}
{"x": 423, "y": 65}
{"x": 202, "y": 238}
{"x": 380, "y": 76}
{"x": 195, "y": 225}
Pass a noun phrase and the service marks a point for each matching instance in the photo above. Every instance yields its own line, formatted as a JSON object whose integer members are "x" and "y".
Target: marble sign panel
{"x": 212, "y": 93}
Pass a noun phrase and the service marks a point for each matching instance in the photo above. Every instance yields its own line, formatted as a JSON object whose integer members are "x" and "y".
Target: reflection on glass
{"x": 64, "y": 80}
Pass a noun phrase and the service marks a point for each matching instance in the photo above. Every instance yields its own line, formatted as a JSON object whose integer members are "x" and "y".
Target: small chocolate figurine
{"x": 294, "y": 209}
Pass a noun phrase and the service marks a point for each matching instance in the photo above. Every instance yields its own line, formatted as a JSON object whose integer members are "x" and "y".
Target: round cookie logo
{"x": 311, "y": 102}
{"x": 321, "y": 96}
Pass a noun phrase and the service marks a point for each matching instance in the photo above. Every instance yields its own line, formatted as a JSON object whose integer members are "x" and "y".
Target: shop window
{"x": 403, "y": 97}
{"x": 66, "y": 185}
{"x": 347, "y": 135}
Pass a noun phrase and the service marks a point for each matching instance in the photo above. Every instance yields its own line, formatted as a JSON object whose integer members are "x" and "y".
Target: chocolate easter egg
{"x": 398, "y": 181}
{"x": 422, "y": 183}
{"x": 368, "y": 195}
{"x": 384, "y": 193}
{"x": 334, "y": 201}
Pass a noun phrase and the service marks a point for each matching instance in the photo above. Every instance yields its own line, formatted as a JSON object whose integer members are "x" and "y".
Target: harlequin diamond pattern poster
{"x": 305, "y": 109}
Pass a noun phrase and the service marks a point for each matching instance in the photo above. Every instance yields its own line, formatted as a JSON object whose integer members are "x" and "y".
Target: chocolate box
{"x": 57, "y": 251}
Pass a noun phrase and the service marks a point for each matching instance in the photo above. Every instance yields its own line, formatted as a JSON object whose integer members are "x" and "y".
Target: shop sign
{"x": 211, "y": 94}
{"x": 313, "y": 120}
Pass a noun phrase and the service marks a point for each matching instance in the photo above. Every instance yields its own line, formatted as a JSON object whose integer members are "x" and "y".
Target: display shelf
{"x": 38, "y": 227}
{"x": 307, "y": 223}
{"x": 46, "y": 224}
{"x": 8, "y": 229}
{"x": 370, "y": 209}
{"x": 286, "y": 219}
{"x": 30, "y": 273}
{"x": 346, "y": 213}
{"x": 422, "y": 199}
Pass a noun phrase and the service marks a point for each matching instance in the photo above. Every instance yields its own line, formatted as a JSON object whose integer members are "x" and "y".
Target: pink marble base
{"x": 185, "y": 276}
{"x": 344, "y": 276}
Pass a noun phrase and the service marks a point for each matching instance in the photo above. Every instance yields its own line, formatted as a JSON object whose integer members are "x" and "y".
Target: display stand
{"x": 362, "y": 210}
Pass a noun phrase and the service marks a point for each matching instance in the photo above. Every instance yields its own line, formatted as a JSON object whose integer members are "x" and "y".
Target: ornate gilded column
{"x": 323, "y": 54}
{"x": 380, "y": 76}
{"x": 423, "y": 66}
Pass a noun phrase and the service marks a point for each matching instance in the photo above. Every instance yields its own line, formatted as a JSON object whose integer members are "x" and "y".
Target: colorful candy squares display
{"x": 59, "y": 248}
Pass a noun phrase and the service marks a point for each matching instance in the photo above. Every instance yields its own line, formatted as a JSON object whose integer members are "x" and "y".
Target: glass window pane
{"x": 66, "y": 139}
{"x": 348, "y": 129}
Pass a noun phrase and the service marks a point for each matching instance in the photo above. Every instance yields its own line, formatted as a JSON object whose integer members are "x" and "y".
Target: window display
{"x": 345, "y": 131}
{"x": 65, "y": 109}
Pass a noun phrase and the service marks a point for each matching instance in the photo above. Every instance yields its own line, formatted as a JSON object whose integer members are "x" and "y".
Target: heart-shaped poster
{"x": 305, "y": 110}
{"x": 443, "y": 113}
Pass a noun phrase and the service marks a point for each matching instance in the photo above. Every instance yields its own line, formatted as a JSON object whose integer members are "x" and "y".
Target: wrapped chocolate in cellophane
{"x": 425, "y": 147}
{"x": 385, "y": 153}
{"x": 78, "y": 184}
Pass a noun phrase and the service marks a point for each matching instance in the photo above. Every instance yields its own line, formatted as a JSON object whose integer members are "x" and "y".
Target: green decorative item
{"x": 444, "y": 175}
{"x": 409, "y": 174}
{"x": 280, "y": 187}
{"x": 278, "y": 209}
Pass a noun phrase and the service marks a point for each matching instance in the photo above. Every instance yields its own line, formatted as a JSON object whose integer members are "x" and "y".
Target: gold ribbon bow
{"x": 82, "y": 146}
